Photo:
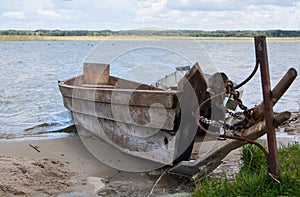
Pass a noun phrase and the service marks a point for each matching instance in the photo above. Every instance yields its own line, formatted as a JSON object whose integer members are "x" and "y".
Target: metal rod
{"x": 262, "y": 59}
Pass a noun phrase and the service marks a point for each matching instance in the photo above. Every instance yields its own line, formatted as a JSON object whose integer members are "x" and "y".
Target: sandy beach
{"x": 64, "y": 167}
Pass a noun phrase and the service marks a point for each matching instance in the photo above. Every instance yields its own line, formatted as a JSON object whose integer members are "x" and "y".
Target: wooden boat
{"x": 154, "y": 123}
{"x": 138, "y": 119}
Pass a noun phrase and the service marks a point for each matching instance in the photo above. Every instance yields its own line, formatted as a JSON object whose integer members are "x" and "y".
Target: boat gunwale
{"x": 167, "y": 98}
{"x": 64, "y": 84}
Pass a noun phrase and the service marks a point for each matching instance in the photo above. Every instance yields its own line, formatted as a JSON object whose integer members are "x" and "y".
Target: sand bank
{"x": 61, "y": 167}
{"x": 64, "y": 167}
{"x": 101, "y": 38}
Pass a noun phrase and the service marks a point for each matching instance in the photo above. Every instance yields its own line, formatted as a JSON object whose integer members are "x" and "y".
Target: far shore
{"x": 54, "y": 38}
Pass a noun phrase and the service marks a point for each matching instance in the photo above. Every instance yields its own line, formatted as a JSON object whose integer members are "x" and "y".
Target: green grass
{"x": 253, "y": 179}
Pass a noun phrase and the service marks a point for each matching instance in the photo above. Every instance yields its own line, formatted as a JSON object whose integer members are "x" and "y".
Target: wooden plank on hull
{"x": 166, "y": 99}
{"x": 194, "y": 83}
{"x": 126, "y": 84}
{"x": 154, "y": 117}
{"x": 126, "y": 138}
{"x": 193, "y": 90}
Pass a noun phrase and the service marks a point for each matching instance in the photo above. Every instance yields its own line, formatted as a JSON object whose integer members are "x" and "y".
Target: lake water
{"x": 31, "y": 104}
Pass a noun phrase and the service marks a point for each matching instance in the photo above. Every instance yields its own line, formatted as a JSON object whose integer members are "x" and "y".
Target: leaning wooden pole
{"x": 277, "y": 93}
{"x": 262, "y": 59}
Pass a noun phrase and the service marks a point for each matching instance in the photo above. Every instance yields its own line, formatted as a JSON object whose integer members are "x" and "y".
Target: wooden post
{"x": 94, "y": 73}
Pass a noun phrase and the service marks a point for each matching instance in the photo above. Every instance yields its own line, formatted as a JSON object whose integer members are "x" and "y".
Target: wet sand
{"x": 64, "y": 167}
{"x": 61, "y": 166}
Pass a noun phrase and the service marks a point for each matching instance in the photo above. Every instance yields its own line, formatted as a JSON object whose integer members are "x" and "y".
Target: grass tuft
{"x": 253, "y": 179}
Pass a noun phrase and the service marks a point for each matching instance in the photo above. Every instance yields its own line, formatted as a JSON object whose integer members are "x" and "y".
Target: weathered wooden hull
{"x": 137, "y": 119}
{"x": 119, "y": 135}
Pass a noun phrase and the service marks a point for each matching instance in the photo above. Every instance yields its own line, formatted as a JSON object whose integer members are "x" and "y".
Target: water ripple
{"x": 30, "y": 102}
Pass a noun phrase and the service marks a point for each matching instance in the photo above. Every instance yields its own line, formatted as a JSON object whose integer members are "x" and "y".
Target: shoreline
{"x": 101, "y": 38}
{"x": 64, "y": 167}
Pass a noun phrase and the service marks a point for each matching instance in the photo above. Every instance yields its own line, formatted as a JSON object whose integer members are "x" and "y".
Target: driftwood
{"x": 212, "y": 159}
{"x": 277, "y": 92}
{"x": 35, "y": 147}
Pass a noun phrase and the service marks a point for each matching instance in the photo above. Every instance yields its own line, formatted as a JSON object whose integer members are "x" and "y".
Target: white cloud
{"x": 165, "y": 14}
{"x": 224, "y": 5}
{"x": 32, "y": 7}
{"x": 267, "y": 16}
{"x": 49, "y": 13}
{"x": 150, "y": 11}
{"x": 206, "y": 5}
{"x": 13, "y": 15}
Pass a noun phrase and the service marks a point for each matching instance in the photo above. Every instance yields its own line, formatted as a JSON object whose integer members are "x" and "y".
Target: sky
{"x": 150, "y": 14}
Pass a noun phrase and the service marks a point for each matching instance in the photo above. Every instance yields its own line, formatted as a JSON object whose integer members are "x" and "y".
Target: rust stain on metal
{"x": 262, "y": 59}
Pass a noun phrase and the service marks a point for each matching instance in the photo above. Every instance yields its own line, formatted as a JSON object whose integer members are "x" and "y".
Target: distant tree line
{"x": 189, "y": 33}
{"x": 42, "y": 32}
